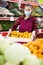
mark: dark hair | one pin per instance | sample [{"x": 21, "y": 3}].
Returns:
[{"x": 28, "y": 5}]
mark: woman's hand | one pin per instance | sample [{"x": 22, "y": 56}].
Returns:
[
  {"x": 33, "y": 35},
  {"x": 9, "y": 32}
]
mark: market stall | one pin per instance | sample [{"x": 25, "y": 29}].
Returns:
[{"x": 21, "y": 48}]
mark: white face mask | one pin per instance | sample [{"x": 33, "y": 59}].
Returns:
[{"x": 27, "y": 13}]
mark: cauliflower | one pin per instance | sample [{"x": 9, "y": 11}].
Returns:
[
  {"x": 2, "y": 60},
  {"x": 16, "y": 53},
  {"x": 7, "y": 63},
  {"x": 31, "y": 60},
  {"x": 41, "y": 62}
]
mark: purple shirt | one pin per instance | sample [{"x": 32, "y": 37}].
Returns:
[{"x": 25, "y": 25}]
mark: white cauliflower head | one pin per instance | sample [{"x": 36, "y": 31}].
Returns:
[
  {"x": 31, "y": 60},
  {"x": 16, "y": 53}
]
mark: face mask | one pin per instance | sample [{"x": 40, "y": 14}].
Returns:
[{"x": 27, "y": 13}]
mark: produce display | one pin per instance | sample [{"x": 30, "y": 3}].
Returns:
[
  {"x": 0, "y": 27},
  {"x": 12, "y": 52},
  {"x": 40, "y": 35},
  {"x": 4, "y": 11},
  {"x": 11, "y": 10},
  {"x": 14, "y": 10},
  {"x": 20, "y": 35},
  {"x": 2, "y": 60},
  {"x": 15, "y": 5},
  {"x": 36, "y": 47},
  {"x": 6, "y": 25},
  {"x": 40, "y": 1},
  {"x": 37, "y": 11},
  {"x": 37, "y": 14},
  {"x": 16, "y": 54}
]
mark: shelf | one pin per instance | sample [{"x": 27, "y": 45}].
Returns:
[
  {"x": 15, "y": 18},
  {"x": 41, "y": 19},
  {"x": 13, "y": 0},
  {"x": 39, "y": 31},
  {"x": 8, "y": 18},
  {"x": 26, "y": 2}
]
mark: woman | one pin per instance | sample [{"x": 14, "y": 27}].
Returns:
[{"x": 26, "y": 22}]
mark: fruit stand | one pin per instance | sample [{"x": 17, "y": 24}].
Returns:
[
  {"x": 31, "y": 51},
  {"x": 18, "y": 48}
]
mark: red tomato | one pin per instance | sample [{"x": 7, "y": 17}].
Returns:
[{"x": 4, "y": 33}]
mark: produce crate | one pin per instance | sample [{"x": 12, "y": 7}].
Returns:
[
  {"x": 39, "y": 33},
  {"x": 21, "y": 39},
  {"x": 6, "y": 25}
]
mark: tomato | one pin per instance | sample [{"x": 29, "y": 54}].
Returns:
[{"x": 4, "y": 33}]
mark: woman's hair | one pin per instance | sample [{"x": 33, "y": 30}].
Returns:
[{"x": 28, "y": 5}]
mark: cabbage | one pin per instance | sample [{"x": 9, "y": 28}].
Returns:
[
  {"x": 2, "y": 60},
  {"x": 31, "y": 60},
  {"x": 4, "y": 43},
  {"x": 7, "y": 63},
  {"x": 1, "y": 41},
  {"x": 16, "y": 53},
  {"x": 41, "y": 62}
]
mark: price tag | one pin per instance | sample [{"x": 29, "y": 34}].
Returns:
[{"x": 11, "y": 18}]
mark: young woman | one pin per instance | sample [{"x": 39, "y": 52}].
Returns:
[{"x": 26, "y": 22}]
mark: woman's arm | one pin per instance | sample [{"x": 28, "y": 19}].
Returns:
[{"x": 17, "y": 22}]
